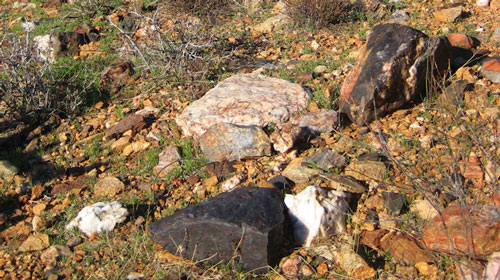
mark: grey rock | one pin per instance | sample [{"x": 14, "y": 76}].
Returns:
[
  {"x": 300, "y": 174},
  {"x": 400, "y": 16},
  {"x": 366, "y": 170},
  {"x": 393, "y": 202},
  {"x": 244, "y": 225},
  {"x": 228, "y": 142},
  {"x": 7, "y": 169},
  {"x": 496, "y": 35},
  {"x": 243, "y": 99},
  {"x": 325, "y": 159},
  {"x": 392, "y": 71}
]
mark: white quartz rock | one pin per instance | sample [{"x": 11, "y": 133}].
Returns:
[
  {"x": 492, "y": 271},
  {"x": 99, "y": 217},
  {"x": 317, "y": 210}
]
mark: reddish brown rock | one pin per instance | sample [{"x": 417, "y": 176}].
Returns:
[
  {"x": 476, "y": 232},
  {"x": 133, "y": 122},
  {"x": 404, "y": 249},
  {"x": 372, "y": 238},
  {"x": 391, "y": 71},
  {"x": 460, "y": 40}
]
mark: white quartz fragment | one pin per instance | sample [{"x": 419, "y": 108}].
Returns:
[
  {"x": 99, "y": 217},
  {"x": 317, "y": 210}
]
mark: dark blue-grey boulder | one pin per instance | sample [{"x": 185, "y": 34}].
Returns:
[{"x": 244, "y": 226}]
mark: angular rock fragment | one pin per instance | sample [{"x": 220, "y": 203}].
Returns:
[
  {"x": 352, "y": 263},
  {"x": 245, "y": 225},
  {"x": 228, "y": 142},
  {"x": 317, "y": 210},
  {"x": 133, "y": 122},
  {"x": 244, "y": 99},
  {"x": 366, "y": 170},
  {"x": 299, "y": 173},
  {"x": 117, "y": 73},
  {"x": 391, "y": 71},
  {"x": 35, "y": 242},
  {"x": 393, "y": 202},
  {"x": 325, "y": 159},
  {"x": 7, "y": 169},
  {"x": 108, "y": 186},
  {"x": 404, "y": 249},
  {"x": 167, "y": 161},
  {"x": 456, "y": 238},
  {"x": 449, "y": 14},
  {"x": 492, "y": 271}
]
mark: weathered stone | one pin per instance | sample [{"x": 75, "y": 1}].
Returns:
[
  {"x": 353, "y": 264},
  {"x": 109, "y": 186},
  {"x": 120, "y": 144},
  {"x": 272, "y": 23},
  {"x": 290, "y": 265},
  {"x": 495, "y": 4},
  {"x": 35, "y": 242},
  {"x": 245, "y": 225},
  {"x": 366, "y": 170},
  {"x": 403, "y": 249},
  {"x": 457, "y": 237},
  {"x": 426, "y": 269},
  {"x": 468, "y": 270},
  {"x": 53, "y": 252},
  {"x": 167, "y": 160},
  {"x": 393, "y": 202},
  {"x": 133, "y": 122},
  {"x": 47, "y": 46},
  {"x": 7, "y": 169},
  {"x": 244, "y": 99},
  {"x": 317, "y": 122},
  {"x": 449, "y": 14},
  {"x": 298, "y": 173},
  {"x": 117, "y": 73},
  {"x": 325, "y": 159},
  {"x": 228, "y": 142},
  {"x": 400, "y": 17},
  {"x": 453, "y": 95},
  {"x": 424, "y": 209},
  {"x": 345, "y": 183},
  {"x": 491, "y": 70},
  {"x": 391, "y": 71},
  {"x": 285, "y": 136},
  {"x": 372, "y": 238}
]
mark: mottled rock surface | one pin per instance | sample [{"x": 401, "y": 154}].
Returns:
[
  {"x": 167, "y": 161},
  {"x": 491, "y": 69},
  {"x": 482, "y": 221},
  {"x": 243, "y": 99},
  {"x": 109, "y": 186},
  {"x": 391, "y": 71},
  {"x": 227, "y": 142},
  {"x": 246, "y": 223}
]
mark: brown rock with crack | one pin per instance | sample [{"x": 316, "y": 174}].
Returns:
[
  {"x": 474, "y": 232},
  {"x": 404, "y": 249},
  {"x": 391, "y": 71},
  {"x": 460, "y": 40},
  {"x": 133, "y": 122}
]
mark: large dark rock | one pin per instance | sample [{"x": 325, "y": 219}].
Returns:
[
  {"x": 392, "y": 70},
  {"x": 245, "y": 225}
]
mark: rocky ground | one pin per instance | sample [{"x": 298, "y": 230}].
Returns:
[{"x": 224, "y": 119}]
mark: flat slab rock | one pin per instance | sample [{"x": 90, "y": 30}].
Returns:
[
  {"x": 391, "y": 71},
  {"x": 243, "y": 99},
  {"x": 245, "y": 225}
]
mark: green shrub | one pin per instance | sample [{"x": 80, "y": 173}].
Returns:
[{"x": 31, "y": 87}]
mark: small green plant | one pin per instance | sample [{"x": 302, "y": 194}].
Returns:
[{"x": 93, "y": 151}]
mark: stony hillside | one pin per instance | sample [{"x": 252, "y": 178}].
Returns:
[{"x": 250, "y": 139}]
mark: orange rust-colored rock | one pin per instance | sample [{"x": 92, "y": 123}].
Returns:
[{"x": 467, "y": 232}]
